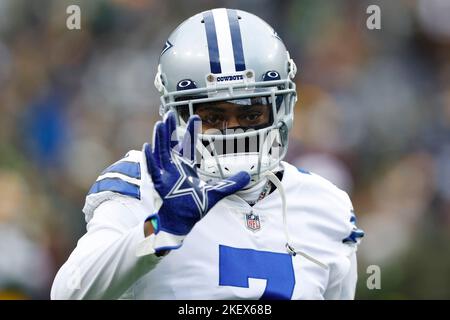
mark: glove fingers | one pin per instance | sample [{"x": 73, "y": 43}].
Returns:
[
  {"x": 171, "y": 129},
  {"x": 240, "y": 180},
  {"x": 152, "y": 166},
  {"x": 163, "y": 146},
  {"x": 156, "y": 150},
  {"x": 190, "y": 137}
]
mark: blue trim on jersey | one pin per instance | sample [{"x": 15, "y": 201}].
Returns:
[
  {"x": 213, "y": 47},
  {"x": 236, "y": 40},
  {"x": 303, "y": 171},
  {"x": 128, "y": 168},
  {"x": 354, "y": 236},
  {"x": 167, "y": 248},
  {"x": 356, "y": 233},
  {"x": 116, "y": 185}
]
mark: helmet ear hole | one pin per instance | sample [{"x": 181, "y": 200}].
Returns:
[
  {"x": 271, "y": 75},
  {"x": 186, "y": 84}
]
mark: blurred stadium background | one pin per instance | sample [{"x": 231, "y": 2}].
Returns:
[{"x": 373, "y": 116}]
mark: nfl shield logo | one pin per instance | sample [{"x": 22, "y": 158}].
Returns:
[{"x": 253, "y": 221}]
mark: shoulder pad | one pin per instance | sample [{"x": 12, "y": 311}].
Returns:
[
  {"x": 336, "y": 205},
  {"x": 121, "y": 179}
]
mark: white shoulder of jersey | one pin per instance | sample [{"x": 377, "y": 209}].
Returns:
[
  {"x": 126, "y": 178},
  {"x": 331, "y": 205}
]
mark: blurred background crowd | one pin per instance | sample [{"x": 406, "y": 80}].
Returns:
[{"x": 373, "y": 116}]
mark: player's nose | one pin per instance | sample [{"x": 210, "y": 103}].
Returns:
[{"x": 232, "y": 122}]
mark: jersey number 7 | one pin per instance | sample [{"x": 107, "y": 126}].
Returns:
[{"x": 237, "y": 265}]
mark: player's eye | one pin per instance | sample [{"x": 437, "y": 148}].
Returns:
[
  {"x": 212, "y": 120},
  {"x": 254, "y": 116}
]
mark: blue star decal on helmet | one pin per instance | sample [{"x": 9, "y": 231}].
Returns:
[
  {"x": 189, "y": 184},
  {"x": 167, "y": 46}
]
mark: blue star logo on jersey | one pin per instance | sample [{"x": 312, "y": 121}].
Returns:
[{"x": 190, "y": 184}]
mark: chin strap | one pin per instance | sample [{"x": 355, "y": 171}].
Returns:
[{"x": 289, "y": 248}]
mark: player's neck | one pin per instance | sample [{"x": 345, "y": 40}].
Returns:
[{"x": 255, "y": 192}]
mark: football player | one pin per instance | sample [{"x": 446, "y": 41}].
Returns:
[{"x": 210, "y": 210}]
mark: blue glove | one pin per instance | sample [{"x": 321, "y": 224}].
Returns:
[{"x": 185, "y": 197}]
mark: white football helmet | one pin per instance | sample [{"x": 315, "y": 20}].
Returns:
[{"x": 233, "y": 56}]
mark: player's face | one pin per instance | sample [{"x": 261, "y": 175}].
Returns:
[{"x": 225, "y": 115}]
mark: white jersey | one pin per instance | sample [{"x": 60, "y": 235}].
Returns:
[{"x": 236, "y": 251}]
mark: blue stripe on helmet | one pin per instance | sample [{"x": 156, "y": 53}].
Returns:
[
  {"x": 130, "y": 169},
  {"x": 116, "y": 185},
  {"x": 236, "y": 39},
  {"x": 211, "y": 38}
]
